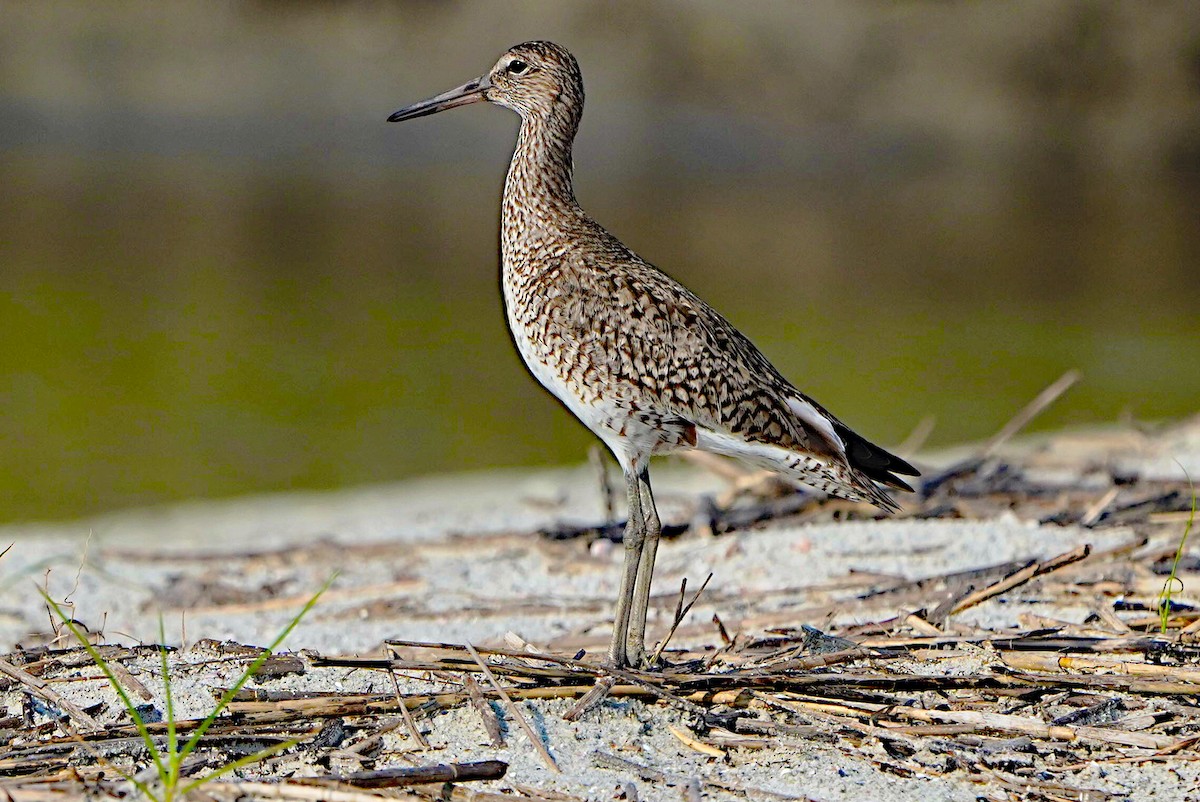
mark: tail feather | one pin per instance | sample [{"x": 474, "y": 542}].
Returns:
[
  {"x": 873, "y": 461},
  {"x": 822, "y": 473}
]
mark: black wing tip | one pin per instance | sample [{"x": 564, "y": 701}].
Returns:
[
  {"x": 874, "y": 462},
  {"x": 897, "y": 465}
]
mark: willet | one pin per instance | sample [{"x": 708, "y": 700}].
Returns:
[{"x": 639, "y": 359}]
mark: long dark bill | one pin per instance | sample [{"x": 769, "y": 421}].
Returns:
[{"x": 470, "y": 92}]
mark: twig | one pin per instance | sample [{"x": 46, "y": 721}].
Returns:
[
  {"x": 1093, "y": 513},
  {"x": 666, "y": 696},
  {"x": 382, "y": 590},
  {"x": 809, "y": 662},
  {"x": 369, "y": 704},
  {"x": 1112, "y": 622},
  {"x": 450, "y": 647},
  {"x": 917, "y": 437},
  {"x": 520, "y": 644},
  {"x": 79, "y": 571},
  {"x": 1030, "y": 411},
  {"x": 1032, "y": 727},
  {"x": 1022, "y": 576},
  {"x": 490, "y": 723},
  {"x": 375, "y": 737},
  {"x": 681, "y": 611},
  {"x": 758, "y": 727},
  {"x": 605, "y": 760},
  {"x": 595, "y": 696},
  {"x": 547, "y": 758},
  {"x": 985, "y": 721},
  {"x": 1027, "y": 786},
  {"x": 304, "y": 793},
  {"x": 409, "y": 724},
  {"x": 423, "y": 775},
  {"x": 694, "y": 743},
  {"x": 922, "y": 626},
  {"x": 1050, "y": 661},
  {"x": 596, "y": 457},
  {"x": 130, "y": 682},
  {"x": 40, "y": 688}
]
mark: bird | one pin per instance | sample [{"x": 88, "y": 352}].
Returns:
[{"x": 639, "y": 359}]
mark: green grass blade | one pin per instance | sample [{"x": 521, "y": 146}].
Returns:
[
  {"x": 251, "y": 670},
  {"x": 126, "y": 702},
  {"x": 1173, "y": 581},
  {"x": 258, "y": 756},
  {"x": 175, "y": 764}
]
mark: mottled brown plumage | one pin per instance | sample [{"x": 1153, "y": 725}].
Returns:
[{"x": 643, "y": 362}]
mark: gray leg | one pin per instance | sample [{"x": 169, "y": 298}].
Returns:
[
  {"x": 635, "y": 640},
  {"x": 635, "y": 535}
]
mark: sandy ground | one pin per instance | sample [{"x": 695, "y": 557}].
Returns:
[{"x": 454, "y": 559}]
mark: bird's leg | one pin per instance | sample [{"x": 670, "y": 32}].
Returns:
[
  {"x": 635, "y": 536},
  {"x": 635, "y": 641}
]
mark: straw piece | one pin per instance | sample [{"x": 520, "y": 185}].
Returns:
[{"x": 542, "y": 751}]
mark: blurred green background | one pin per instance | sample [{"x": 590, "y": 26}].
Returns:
[{"x": 222, "y": 272}]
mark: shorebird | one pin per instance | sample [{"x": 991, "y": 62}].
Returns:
[{"x": 638, "y": 358}]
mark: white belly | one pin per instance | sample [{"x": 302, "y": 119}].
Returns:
[{"x": 599, "y": 408}]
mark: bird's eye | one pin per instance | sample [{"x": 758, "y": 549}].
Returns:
[{"x": 516, "y": 66}]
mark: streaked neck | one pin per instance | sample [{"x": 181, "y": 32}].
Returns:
[{"x": 538, "y": 190}]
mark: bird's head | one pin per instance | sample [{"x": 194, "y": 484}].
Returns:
[{"x": 533, "y": 79}]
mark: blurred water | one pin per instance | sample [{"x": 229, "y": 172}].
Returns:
[{"x": 221, "y": 272}]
